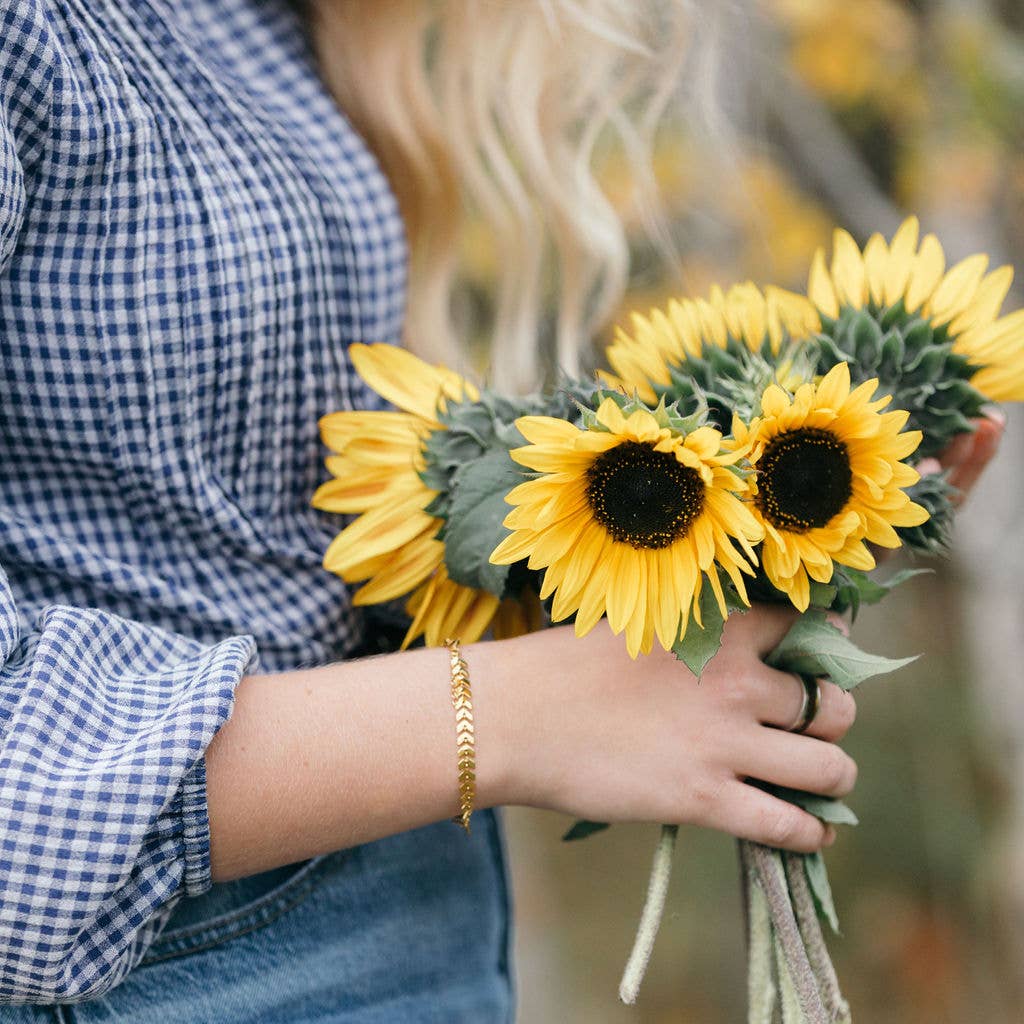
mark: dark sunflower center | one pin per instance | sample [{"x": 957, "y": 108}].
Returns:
[
  {"x": 803, "y": 479},
  {"x": 642, "y": 497}
]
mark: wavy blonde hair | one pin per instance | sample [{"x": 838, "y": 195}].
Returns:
[{"x": 496, "y": 109}]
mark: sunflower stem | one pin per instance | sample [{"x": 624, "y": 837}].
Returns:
[
  {"x": 836, "y": 1006},
  {"x": 650, "y": 918},
  {"x": 771, "y": 875},
  {"x": 761, "y": 991},
  {"x": 789, "y": 997}
]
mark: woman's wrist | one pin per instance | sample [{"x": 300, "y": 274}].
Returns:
[
  {"x": 518, "y": 734},
  {"x": 498, "y": 721},
  {"x": 317, "y": 760}
]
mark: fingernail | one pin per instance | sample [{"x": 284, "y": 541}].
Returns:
[
  {"x": 830, "y": 835},
  {"x": 928, "y": 466},
  {"x": 995, "y": 414}
]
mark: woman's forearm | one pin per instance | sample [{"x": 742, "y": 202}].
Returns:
[{"x": 320, "y": 759}]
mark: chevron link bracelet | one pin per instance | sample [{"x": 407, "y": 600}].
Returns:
[{"x": 462, "y": 698}]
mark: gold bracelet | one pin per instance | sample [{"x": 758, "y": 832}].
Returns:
[{"x": 462, "y": 698}]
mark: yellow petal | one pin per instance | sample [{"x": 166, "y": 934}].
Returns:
[
  {"x": 406, "y": 381},
  {"x": 834, "y": 387},
  {"x": 478, "y": 617},
  {"x": 819, "y": 286},
  {"x": 409, "y": 568},
  {"x": 774, "y": 401},
  {"x": 338, "y": 429},
  {"x": 958, "y": 288},
  {"x": 514, "y": 548},
  {"x": 876, "y": 265},
  {"x": 925, "y": 273},
  {"x": 546, "y": 430},
  {"x": 987, "y": 301},
  {"x": 623, "y": 586},
  {"x": 848, "y": 269},
  {"x": 375, "y": 533},
  {"x": 901, "y": 260},
  {"x": 800, "y": 590}
]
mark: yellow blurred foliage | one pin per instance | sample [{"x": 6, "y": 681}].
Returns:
[
  {"x": 853, "y": 52},
  {"x": 968, "y": 176},
  {"x": 780, "y": 225}
]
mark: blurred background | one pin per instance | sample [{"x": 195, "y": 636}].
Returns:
[{"x": 849, "y": 113}]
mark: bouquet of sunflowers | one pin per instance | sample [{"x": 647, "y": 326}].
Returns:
[{"x": 751, "y": 445}]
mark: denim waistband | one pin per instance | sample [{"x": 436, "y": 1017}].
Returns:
[{"x": 413, "y": 928}]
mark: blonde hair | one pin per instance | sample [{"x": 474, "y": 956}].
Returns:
[{"x": 495, "y": 108}]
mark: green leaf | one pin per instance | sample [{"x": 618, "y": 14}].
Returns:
[
  {"x": 582, "y": 829},
  {"x": 474, "y": 528},
  {"x": 817, "y": 879},
  {"x": 822, "y": 594},
  {"x": 696, "y": 647},
  {"x": 815, "y": 647},
  {"x": 446, "y": 450},
  {"x": 822, "y": 807},
  {"x": 902, "y": 576},
  {"x": 871, "y": 591},
  {"x": 508, "y": 436}
]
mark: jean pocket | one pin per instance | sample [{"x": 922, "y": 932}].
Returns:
[{"x": 232, "y": 909}]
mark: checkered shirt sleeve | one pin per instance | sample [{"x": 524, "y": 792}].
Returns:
[
  {"x": 189, "y": 232},
  {"x": 103, "y": 726}
]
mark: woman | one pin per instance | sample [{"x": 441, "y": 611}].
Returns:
[{"x": 190, "y": 235}]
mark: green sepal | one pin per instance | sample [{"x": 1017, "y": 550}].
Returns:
[
  {"x": 588, "y": 414},
  {"x": 928, "y": 364},
  {"x": 891, "y": 354},
  {"x": 830, "y": 353},
  {"x": 582, "y": 829},
  {"x": 814, "y": 647},
  {"x": 666, "y": 415},
  {"x": 672, "y": 417},
  {"x": 934, "y": 536},
  {"x": 821, "y": 891},
  {"x": 913, "y": 361},
  {"x": 474, "y": 528},
  {"x": 731, "y": 380},
  {"x": 867, "y": 337}
]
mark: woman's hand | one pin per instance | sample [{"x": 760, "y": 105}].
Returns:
[
  {"x": 592, "y": 733},
  {"x": 968, "y": 454}
]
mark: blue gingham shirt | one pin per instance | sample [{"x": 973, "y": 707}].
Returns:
[{"x": 190, "y": 235}]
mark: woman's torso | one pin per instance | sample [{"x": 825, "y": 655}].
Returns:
[{"x": 203, "y": 237}]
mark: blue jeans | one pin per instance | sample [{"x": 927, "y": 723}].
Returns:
[{"x": 413, "y": 929}]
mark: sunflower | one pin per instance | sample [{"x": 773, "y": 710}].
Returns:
[
  {"x": 827, "y": 479},
  {"x": 627, "y": 518},
  {"x": 911, "y": 279},
  {"x": 669, "y": 339},
  {"x": 376, "y": 467}
]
